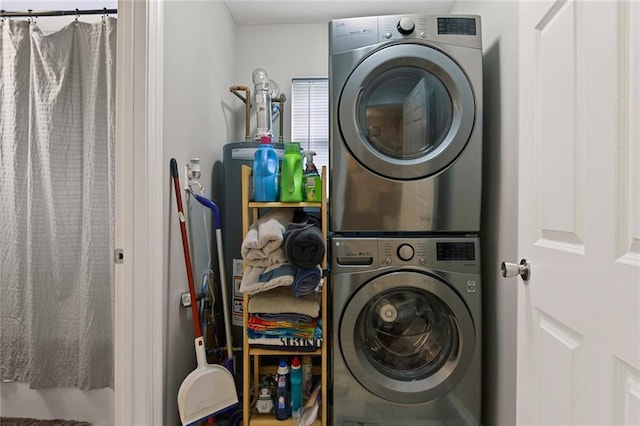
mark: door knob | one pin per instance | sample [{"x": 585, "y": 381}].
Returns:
[{"x": 512, "y": 270}]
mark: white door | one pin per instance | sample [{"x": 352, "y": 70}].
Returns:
[{"x": 579, "y": 213}]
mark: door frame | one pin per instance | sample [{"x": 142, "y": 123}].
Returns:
[{"x": 139, "y": 281}]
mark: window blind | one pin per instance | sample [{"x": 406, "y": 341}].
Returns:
[{"x": 310, "y": 117}]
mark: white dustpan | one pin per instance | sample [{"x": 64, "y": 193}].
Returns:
[{"x": 206, "y": 391}]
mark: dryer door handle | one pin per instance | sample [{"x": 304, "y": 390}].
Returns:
[{"x": 511, "y": 269}]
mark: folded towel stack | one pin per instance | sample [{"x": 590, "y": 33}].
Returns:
[
  {"x": 283, "y": 248},
  {"x": 278, "y": 317},
  {"x": 282, "y": 251},
  {"x": 262, "y": 251}
]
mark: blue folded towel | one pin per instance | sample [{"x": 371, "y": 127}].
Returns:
[{"x": 306, "y": 281}]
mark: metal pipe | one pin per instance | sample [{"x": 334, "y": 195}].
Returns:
[
  {"x": 281, "y": 101},
  {"x": 40, "y": 13},
  {"x": 247, "y": 101}
]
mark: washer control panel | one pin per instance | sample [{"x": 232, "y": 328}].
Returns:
[
  {"x": 403, "y": 252},
  {"x": 369, "y": 252}
]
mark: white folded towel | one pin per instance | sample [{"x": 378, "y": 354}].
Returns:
[
  {"x": 259, "y": 258},
  {"x": 265, "y": 236}
]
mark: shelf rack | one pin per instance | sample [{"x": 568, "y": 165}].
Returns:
[{"x": 251, "y": 356}]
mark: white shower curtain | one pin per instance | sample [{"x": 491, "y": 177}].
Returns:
[{"x": 57, "y": 129}]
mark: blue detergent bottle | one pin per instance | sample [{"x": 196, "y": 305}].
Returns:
[
  {"x": 283, "y": 406},
  {"x": 265, "y": 171},
  {"x": 296, "y": 387}
]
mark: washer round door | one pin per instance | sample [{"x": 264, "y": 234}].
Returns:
[
  {"x": 406, "y": 111},
  {"x": 407, "y": 337}
]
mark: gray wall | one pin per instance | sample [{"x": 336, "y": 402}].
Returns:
[
  {"x": 499, "y": 216},
  {"x": 284, "y": 51},
  {"x": 199, "y": 52}
]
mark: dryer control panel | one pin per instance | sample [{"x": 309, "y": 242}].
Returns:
[
  {"x": 438, "y": 253},
  {"x": 352, "y": 33}
]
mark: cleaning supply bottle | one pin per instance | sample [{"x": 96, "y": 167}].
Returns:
[
  {"x": 307, "y": 376},
  {"x": 291, "y": 174},
  {"x": 282, "y": 391},
  {"x": 296, "y": 387},
  {"x": 311, "y": 179},
  {"x": 265, "y": 171}
]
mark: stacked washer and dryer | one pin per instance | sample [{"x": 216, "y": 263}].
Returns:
[{"x": 405, "y": 197}]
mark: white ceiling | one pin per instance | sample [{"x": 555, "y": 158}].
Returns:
[{"x": 269, "y": 12}]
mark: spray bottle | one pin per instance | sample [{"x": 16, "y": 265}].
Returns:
[{"x": 311, "y": 179}]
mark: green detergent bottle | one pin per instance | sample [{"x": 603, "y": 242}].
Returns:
[{"x": 291, "y": 190}]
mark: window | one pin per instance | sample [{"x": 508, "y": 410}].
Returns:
[{"x": 310, "y": 117}]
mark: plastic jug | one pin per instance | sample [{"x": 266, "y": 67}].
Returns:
[
  {"x": 265, "y": 172},
  {"x": 296, "y": 386},
  {"x": 291, "y": 174},
  {"x": 282, "y": 391}
]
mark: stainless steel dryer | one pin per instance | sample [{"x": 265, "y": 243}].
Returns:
[
  {"x": 406, "y": 323},
  {"x": 405, "y": 94}
]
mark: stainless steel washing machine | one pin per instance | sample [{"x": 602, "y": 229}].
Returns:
[
  {"x": 405, "y": 94},
  {"x": 406, "y": 331}
]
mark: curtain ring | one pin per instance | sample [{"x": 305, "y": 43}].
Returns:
[
  {"x": 77, "y": 16},
  {"x": 104, "y": 15}
]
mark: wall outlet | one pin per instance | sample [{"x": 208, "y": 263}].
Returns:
[{"x": 186, "y": 300}]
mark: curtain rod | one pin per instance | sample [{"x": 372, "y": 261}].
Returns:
[{"x": 40, "y": 13}]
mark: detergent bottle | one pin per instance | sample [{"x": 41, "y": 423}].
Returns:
[
  {"x": 291, "y": 174},
  {"x": 311, "y": 179},
  {"x": 296, "y": 386},
  {"x": 282, "y": 391},
  {"x": 265, "y": 171}
]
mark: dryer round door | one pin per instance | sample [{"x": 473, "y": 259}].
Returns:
[
  {"x": 406, "y": 111},
  {"x": 407, "y": 337}
]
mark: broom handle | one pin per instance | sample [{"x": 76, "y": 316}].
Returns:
[{"x": 185, "y": 249}]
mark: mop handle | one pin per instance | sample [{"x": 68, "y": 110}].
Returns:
[
  {"x": 225, "y": 298},
  {"x": 185, "y": 249},
  {"x": 223, "y": 279}
]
